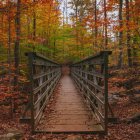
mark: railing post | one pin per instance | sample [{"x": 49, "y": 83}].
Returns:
[
  {"x": 105, "y": 57},
  {"x": 30, "y": 66}
]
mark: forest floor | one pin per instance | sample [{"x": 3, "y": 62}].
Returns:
[{"x": 124, "y": 102}]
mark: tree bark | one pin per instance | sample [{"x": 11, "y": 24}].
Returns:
[
  {"x": 34, "y": 24},
  {"x": 128, "y": 34},
  {"x": 17, "y": 42},
  {"x": 120, "y": 34},
  {"x": 9, "y": 39},
  {"x": 105, "y": 20},
  {"x": 96, "y": 28}
]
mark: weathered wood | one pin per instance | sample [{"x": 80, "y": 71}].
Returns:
[
  {"x": 91, "y": 77},
  {"x": 70, "y": 114},
  {"x": 44, "y": 75}
]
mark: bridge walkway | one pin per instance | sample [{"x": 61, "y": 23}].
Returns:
[{"x": 69, "y": 112}]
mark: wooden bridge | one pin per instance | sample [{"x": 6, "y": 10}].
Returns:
[{"x": 81, "y": 105}]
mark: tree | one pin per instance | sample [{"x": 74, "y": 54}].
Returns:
[
  {"x": 120, "y": 33},
  {"x": 17, "y": 41},
  {"x": 105, "y": 25},
  {"x": 128, "y": 34}
]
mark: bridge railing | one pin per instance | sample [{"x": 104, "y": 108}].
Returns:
[
  {"x": 91, "y": 77},
  {"x": 44, "y": 74}
]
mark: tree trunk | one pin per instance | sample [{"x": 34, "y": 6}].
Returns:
[
  {"x": 96, "y": 28},
  {"x": 34, "y": 25},
  {"x": 120, "y": 34},
  {"x": 17, "y": 42},
  {"x": 2, "y": 26},
  {"x": 28, "y": 27},
  {"x": 128, "y": 35},
  {"x": 77, "y": 34},
  {"x": 105, "y": 20},
  {"x": 54, "y": 45},
  {"x": 9, "y": 39}
]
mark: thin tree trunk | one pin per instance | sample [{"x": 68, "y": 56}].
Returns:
[
  {"x": 34, "y": 24},
  {"x": 135, "y": 33},
  {"x": 63, "y": 32},
  {"x": 120, "y": 34},
  {"x": 17, "y": 42},
  {"x": 128, "y": 34},
  {"x": 2, "y": 25},
  {"x": 9, "y": 38},
  {"x": 66, "y": 11},
  {"x": 77, "y": 35},
  {"x": 96, "y": 28},
  {"x": 54, "y": 45},
  {"x": 105, "y": 20},
  {"x": 9, "y": 55},
  {"x": 28, "y": 27}
]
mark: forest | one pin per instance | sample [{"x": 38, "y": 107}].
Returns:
[{"x": 67, "y": 31}]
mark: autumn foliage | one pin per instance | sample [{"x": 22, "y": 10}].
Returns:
[{"x": 68, "y": 31}]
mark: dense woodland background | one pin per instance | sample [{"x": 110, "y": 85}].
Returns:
[{"x": 66, "y": 31}]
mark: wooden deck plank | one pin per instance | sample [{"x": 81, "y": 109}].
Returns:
[{"x": 69, "y": 113}]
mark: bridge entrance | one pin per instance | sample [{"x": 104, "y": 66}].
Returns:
[
  {"x": 69, "y": 112},
  {"x": 81, "y": 104}
]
